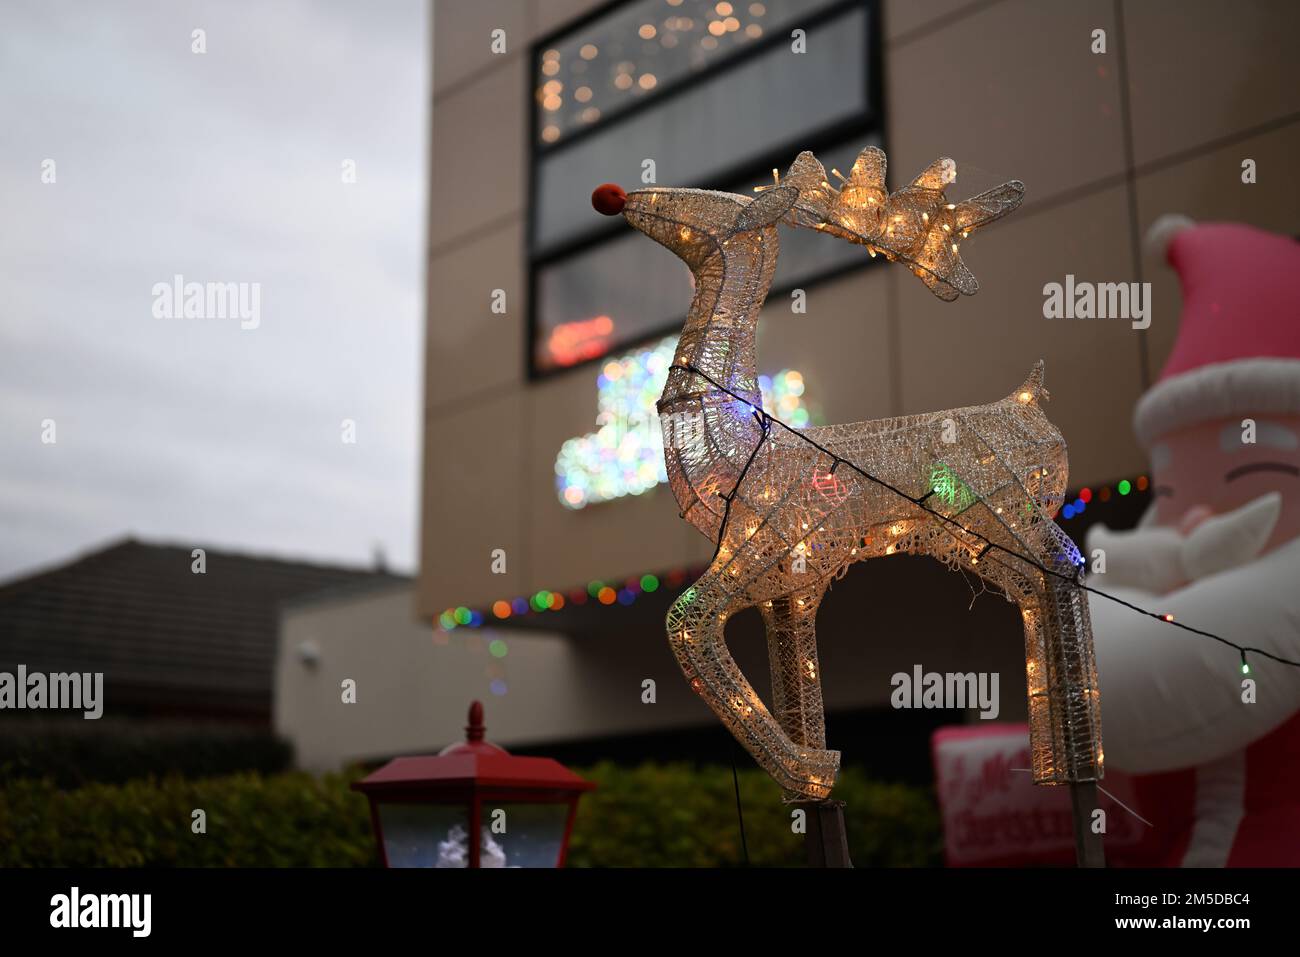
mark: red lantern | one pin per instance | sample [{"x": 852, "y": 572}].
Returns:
[{"x": 426, "y": 810}]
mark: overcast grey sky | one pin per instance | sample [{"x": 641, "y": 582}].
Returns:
[{"x": 225, "y": 166}]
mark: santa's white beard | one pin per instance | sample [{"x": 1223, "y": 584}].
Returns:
[
  {"x": 1170, "y": 698},
  {"x": 1144, "y": 558},
  {"x": 1159, "y": 559}
]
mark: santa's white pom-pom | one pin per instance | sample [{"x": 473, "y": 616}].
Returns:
[{"x": 1162, "y": 232}]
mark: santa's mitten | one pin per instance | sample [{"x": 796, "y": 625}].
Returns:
[{"x": 1226, "y": 541}]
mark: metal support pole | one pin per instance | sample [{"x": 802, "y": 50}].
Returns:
[
  {"x": 1089, "y": 849},
  {"x": 826, "y": 840}
]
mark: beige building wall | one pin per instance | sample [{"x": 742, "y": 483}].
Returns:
[
  {"x": 1010, "y": 89},
  {"x": 412, "y": 696}
]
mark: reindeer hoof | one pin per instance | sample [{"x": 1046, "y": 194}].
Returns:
[{"x": 817, "y": 777}]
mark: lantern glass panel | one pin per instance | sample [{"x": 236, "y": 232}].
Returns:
[
  {"x": 425, "y": 835},
  {"x": 532, "y": 835}
]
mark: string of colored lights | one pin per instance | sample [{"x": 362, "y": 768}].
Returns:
[
  {"x": 606, "y": 594},
  {"x": 1085, "y": 496},
  {"x": 603, "y": 591}
]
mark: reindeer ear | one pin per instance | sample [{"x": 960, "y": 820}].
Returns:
[
  {"x": 769, "y": 206},
  {"x": 938, "y": 175},
  {"x": 808, "y": 176},
  {"x": 869, "y": 169}
]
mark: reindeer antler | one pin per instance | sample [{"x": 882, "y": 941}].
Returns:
[{"x": 915, "y": 224}]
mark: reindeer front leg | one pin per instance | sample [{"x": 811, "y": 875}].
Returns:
[
  {"x": 1061, "y": 673},
  {"x": 695, "y": 632}
]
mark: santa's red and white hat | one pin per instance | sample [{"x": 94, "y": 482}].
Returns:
[{"x": 1238, "y": 344}]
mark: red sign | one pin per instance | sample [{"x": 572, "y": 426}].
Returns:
[{"x": 994, "y": 815}]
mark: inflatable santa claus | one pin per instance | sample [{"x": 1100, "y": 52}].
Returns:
[{"x": 1213, "y": 736}]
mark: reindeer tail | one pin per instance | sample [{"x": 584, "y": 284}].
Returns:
[
  {"x": 1033, "y": 389},
  {"x": 1043, "y": 453}
]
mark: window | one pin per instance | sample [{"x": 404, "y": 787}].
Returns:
[{"x": 712, "y": 93}]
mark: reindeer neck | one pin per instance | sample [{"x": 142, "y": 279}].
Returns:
[{"x": 718, "y": 338}]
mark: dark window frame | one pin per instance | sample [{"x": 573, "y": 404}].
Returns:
[{"x": 871, "y": 122}]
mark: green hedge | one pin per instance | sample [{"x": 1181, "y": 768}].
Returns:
[
  {"x": 286, "y": 820},
  {"x": 676, "y": 815},
  {"x": 648, "y": 816},
  {"x": 77, "y": 753}
]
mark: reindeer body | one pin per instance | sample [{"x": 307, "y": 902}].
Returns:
[{"x": 974, "y": 487}]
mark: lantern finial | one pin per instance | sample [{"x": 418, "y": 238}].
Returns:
[{"x": 474, "y": 730}]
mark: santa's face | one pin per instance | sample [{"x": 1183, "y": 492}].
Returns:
[{"x": 1214, "y": 468}]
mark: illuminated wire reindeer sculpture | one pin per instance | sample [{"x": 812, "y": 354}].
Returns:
[{"x": 790, "y": 510}]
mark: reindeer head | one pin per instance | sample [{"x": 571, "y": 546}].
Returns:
[
  {"x": 915, "y": 225},
  {"x": 694, "y": 223}
]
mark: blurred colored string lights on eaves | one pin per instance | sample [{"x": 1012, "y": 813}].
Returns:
[
  {"x": 1104, "y": 494},
  {"x": 625, "y": 455},
  {"x": 602, "y": 592}
]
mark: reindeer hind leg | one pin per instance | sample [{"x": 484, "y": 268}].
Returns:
[{"x": 791, "y": 624}]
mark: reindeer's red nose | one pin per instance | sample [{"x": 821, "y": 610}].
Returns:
[{"x": 609, "y": 199}]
